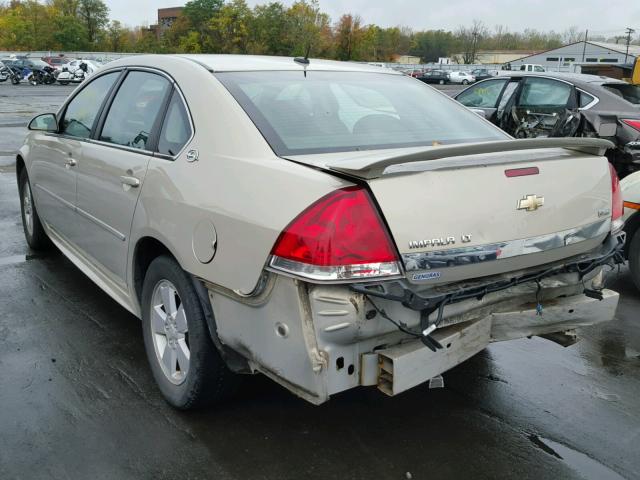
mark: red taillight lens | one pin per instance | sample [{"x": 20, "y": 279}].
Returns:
[
  {"x": 339, "y": 237},
  {"x": 632, "y": 123},
  {"x": 617, "y": 206}
]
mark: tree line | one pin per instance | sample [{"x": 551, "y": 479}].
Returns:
[{"x": 219, "y": 26}]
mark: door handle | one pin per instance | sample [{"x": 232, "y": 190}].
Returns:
[
  {"x": 70, "y": 162},
  {"x": 130, "y": 181}
]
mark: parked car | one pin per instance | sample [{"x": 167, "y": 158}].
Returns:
[
  {"x": 57, "y": 62},
  {"x": 464, "y": 78},
  {"x": 481, "y": 74},
  {"x": 413, "y": 72},
  {"x": 434, "y": 76},
  {"x": 631, "y": 195},
  {"x": 564, "y": 105},
  {"x": 531, "y": 67},
  {"x": 4, "y": 72},
  {"x": 208, "y": 197}
]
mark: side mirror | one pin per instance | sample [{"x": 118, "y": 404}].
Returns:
[{"x": 46, "y": 122}]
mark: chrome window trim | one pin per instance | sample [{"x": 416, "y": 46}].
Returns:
[
  {"x": 191, "y": 126},
  {"x": 173, "y": 83},
  {"x": 456, "y": 257},
  {"x": 593, "y": 103}
]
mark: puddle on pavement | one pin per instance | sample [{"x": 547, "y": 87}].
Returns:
[
  {"x": 16, "y": 259},
  {"x": 585, "y": 466}
]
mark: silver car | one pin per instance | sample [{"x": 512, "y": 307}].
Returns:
[{"x": 329, "y": 225}]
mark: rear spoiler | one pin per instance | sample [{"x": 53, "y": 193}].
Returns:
[{"x": 364, "y": 168}]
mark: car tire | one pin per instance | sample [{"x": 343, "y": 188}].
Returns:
[
  {"x": 634, "y": 259},
  {"x": 184, "y": 361},
  {"x": 34, "y": 233},
  {"x": 441, "y": 82},
  {"x": 64, "y": 83},
  {"x": 465, "y": 82}
]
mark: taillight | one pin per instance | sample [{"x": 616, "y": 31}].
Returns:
[
  {"x": 339, "y": 237},
  {"x": 632, "y": 123},
  {"x": 617, "y": 205}
]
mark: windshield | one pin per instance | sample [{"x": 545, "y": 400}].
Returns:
[
  {"x": 345, "y": 111},
  {"x": 631, "y": 93}
]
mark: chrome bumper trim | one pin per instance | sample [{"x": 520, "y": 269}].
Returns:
[{"x": 456, "y": 257}]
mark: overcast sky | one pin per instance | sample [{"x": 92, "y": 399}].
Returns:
[{"x": 607, "y": 18}]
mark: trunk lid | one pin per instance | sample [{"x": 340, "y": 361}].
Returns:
[{"x": 462, "y": 217}]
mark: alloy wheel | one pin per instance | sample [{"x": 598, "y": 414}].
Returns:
[
  {"x": 27, "y": 207},
  {"x": 170, "y": 330}
]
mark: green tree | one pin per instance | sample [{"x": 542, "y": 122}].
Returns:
[
  {"x": 269, "y": 30},
  {"x": 69, "y": 33},
  {"x": 95, "y": 16},
  {"x": 229, "y": 28},
  {"x": 200, "y": 12}
]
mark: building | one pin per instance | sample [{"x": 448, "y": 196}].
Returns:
[
  {"x": 570, "y": 58},
  {"x": 406, "y": 59},
  {"x": 498, "y": 57},
  {"x": 166, "y": 17}
]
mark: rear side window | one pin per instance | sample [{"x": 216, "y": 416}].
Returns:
[
  {"x": 135, "y": 109},
  {"x": 585, "y": 99},
  {"x": 482, "y": 95},
  {"x": 543, "y": 92},
  {"x": 82, "y": 111},
  {"x": 176, "y": 129}
]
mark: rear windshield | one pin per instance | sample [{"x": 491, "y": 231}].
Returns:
[
  {"x": 631, "y": 93},
  {"x": 346, "y": 111}
]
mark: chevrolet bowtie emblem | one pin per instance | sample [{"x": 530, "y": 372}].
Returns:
[{"x": 530, "y": 203}]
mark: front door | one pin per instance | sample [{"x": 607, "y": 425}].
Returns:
[
  {"x": 56, "y": 157},
  {"x": 113, "y": 169},
  {"x": 483, "y": 97}
]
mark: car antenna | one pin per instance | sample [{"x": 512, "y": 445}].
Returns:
[{"x": 304, "y": 61}]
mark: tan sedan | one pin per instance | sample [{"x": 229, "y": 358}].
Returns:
[{"x": 329, "y": 225}]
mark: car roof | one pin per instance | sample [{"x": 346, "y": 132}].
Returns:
[
  {"x": 579, "y": 79},
  {"x": 254, "y": 63}
]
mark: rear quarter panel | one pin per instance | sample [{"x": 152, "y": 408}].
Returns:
[{"x": 238, "y": 184}]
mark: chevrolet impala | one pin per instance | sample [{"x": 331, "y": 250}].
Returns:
[{"x": 329, "y": 225}]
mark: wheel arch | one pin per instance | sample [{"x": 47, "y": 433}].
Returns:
[
  {"x": 20, "y": 166},
  {"x": 147, "y": 249},
  {"x": 631, "y": 227}
]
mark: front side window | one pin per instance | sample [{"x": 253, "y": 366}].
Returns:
[
  {"x": 482, "y": 95},
  {"x": 349, "y": 111},
  {"x": 82, "y": 111},
  {"x": 176, "y": 129},
  {"x": 135, "y": 109},
  {"x": 543, "y": 92}
]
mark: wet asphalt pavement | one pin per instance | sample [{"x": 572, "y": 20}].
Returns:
[{"x": 78, "y": 401}]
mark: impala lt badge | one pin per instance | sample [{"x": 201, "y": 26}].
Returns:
[
  {"x": 438, "y": 242},
  {"x": 530, "y": 203}
]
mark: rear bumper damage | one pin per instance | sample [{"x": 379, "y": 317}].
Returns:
[{"x": 318, "y": 340}]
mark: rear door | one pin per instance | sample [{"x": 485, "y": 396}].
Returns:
[
  {"x": 114, "y": 166},
  {"x": 545, "y": 107}
]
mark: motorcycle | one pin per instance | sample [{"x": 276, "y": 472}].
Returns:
[
  {"x": 77, "y": 76},
  {"x": 44, "y": 75},
  {"x": 15, "y": 75}
]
